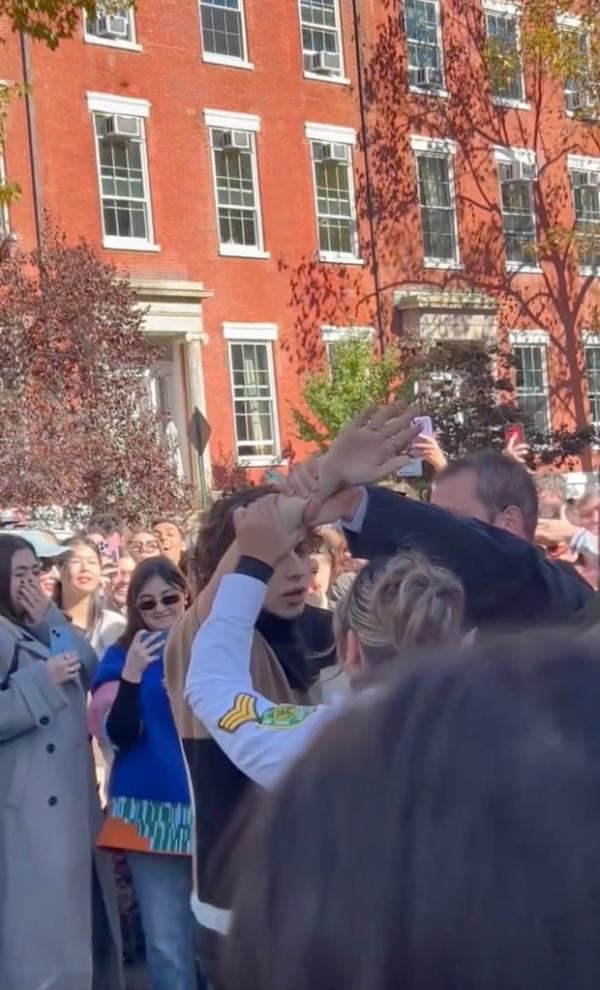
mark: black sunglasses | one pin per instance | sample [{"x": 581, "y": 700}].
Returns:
[{"x": 148, "y": 604}]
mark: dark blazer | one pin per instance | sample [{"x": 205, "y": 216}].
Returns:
[{"x": 507, "y": 581}]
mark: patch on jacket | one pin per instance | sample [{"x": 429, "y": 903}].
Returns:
[{"x": 277, "y": 717}]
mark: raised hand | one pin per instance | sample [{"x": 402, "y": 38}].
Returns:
[
  {"x": 265, "y": 528},
  {"x": 518, "y": 451},
  {"x": 144, "y": 650},
  {"x": 371, "y": 448},
  {"x": 33, "y": 602},
  {"x": 429, "y": 450}
]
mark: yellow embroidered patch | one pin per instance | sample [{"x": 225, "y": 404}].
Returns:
[{"x": 243, "y": 711}]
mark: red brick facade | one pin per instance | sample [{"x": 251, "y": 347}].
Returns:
[{"x": 201, "y": 300}]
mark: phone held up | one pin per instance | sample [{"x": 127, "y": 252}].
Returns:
[
  {"x": 515, "y": 434},
  {"x": 61, "y": 641},
  {"x": 414, "y": 468}
]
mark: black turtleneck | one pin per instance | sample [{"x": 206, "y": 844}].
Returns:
[{"x": 303, "y": 646}]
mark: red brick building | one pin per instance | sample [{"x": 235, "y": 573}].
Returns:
[{"x": 269, "y": 182}]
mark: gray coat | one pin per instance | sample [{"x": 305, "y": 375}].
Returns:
[{"x": 49, "y": 820}]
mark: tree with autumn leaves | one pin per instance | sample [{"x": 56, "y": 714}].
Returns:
[{"x": 76, "y": 424}]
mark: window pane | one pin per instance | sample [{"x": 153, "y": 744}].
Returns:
[
  {"x": 586, "y": 202},
  {"x": 421, "y": 18},
  {"x": 237, "y": 206},
  {"x": 335, "y": 207},
  {"x": 503, "y": 39},
  {"x": 125, "y": 208},
  {"x": 518, "y": 220},
  {"x": 320, "y": 30},
  {"x": 221, "y": 22},
  {"x": 437, "y": 211},
  {"x": 531, "y": 386},
  {"x": 253, "y": 400},
  {"x": 592, "y": 361}
]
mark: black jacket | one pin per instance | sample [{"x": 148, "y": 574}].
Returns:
[{"x": 507, "y": 581}]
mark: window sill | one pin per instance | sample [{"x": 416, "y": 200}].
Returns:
[
  {"x": 323, "y": 77},
  {"x": 500, "y": 101},
  {"x": 239, "y": 251},
  {"x": 582, "y": 117},
  {"x": 433, "y": 91},
  {"x": 232, "y": 63},
  {"x": 517, "y": 269},
  {"x": 128, "y": 46},
  {"x": 448, "y": 266},
  {"x": 128, "y": 244},
  {"x": 253, "y": 462},
  {"x": 331, "y": 258},
  {"x": 587, "y": 271}
]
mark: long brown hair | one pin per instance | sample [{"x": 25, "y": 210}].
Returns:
[
  {"x": 9, "y": 546},
  {"x": 217, "y": 533}
]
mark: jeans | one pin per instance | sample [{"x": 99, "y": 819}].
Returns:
[{"x": 162, "y": 886}]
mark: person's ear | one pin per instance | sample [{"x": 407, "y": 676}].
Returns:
[
  {"x": 351, "y": 658},
  {"x": 511, "y": 519}
]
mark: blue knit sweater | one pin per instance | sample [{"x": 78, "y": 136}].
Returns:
[{"x": 152, "y": 767}]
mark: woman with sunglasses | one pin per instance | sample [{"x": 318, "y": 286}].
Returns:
[{"x": 149, "y": 806}]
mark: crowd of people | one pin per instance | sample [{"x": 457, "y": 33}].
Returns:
[{"x": 332, "y": 742}]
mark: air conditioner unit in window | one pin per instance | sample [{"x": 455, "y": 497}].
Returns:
[
  {"x": 118, "y": 126},
  {"x": 112, "y": 26},
  {"x": 426, "y": 76},
  {"x": 235, "y": 140},
  {"x": 327, "y": 63},
  {"x": 518, "y": 171},
  {"x": 581, "y": 100},
  {"x": 331, "y": 153}
]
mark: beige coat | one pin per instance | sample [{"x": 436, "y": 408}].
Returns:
[{"x": 49, "y": 819}]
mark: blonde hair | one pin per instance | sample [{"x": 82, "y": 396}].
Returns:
[{"x": 407, "y": 603}]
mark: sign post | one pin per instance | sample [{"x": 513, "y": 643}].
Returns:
[{"x": 199, "y": 431}]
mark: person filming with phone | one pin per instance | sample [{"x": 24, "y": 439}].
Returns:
[
  {"x": 149, "y": 804},
  {"x": 50, "y": 873}
]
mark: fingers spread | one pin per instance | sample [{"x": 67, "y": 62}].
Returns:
[
  {"x": 401, "y": 422},
  {"x": 386, "y": 413}
]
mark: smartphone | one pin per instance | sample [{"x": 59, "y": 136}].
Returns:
[
  {"x": 414, "y": 468},
  {"x": 159, "y": 642},
  {"x": 61, "y": 641},
  {"x": 515, "y": 434},
  {"x": 113, "y": 543}
]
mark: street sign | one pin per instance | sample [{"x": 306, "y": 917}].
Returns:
[{"x": 199, "y": 431}]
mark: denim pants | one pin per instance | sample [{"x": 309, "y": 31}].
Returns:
[{"x": 162, "y": 886}]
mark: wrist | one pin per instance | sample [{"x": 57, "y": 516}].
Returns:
[
  {"x": 131, "y": 673},
  {"x": 254, "y": 567},
  {"x": 349, "y": 503}
]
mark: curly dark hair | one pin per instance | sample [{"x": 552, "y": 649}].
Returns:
[{"x": 217, "y": 532}]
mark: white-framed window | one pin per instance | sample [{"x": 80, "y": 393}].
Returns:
[
  {"x": 531, "y": 378},
  {"x": 4, "y": 216},
  {"x": 437, "y": 201},
  {"x": 517, "y": 172},
  {"x": 253, "y": 390},
  {"x": 235, "y": 174},
  {"x": 592, "y": 366},
  {"x": 322, "y": 50},
  {"x": 122, "y": 164},
  {"x": 115, "y": 28},
  {"x": 422, "y": 24},
  {"x": 333, "y": 336},
  {"x": 585, "y": 186},
  {"x": 224, "y": 32},
  {"x": 503, "y": 31},
  {"x": 332, "y": 165},
  {"x": 577, "y": 49}
]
